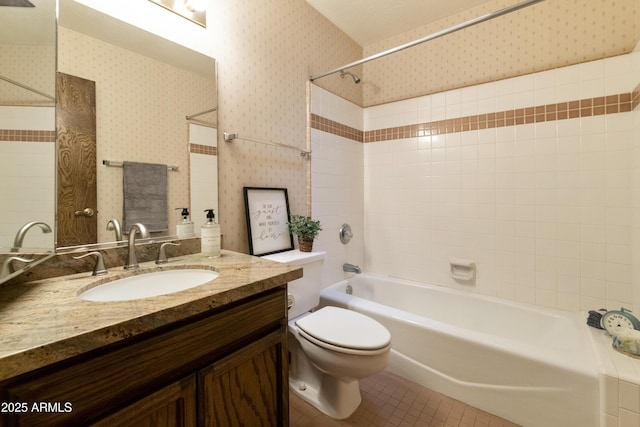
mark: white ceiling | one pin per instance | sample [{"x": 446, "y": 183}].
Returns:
[
  {"x": 370, "y": 21},
  {"x": 365, "y": 21}
]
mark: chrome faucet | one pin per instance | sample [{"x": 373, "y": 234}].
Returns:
[
  {"x": 132, "y": 262},
  {"x": 144, "y": 233},
  {"x": 350, "y": 268},
  {"x": 17, "y": 243},
  {"x": 114, "y": 225}
]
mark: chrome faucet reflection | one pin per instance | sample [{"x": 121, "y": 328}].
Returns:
[
  {"x": 350, "y": 268},
  {"x": 7, "y": 266},
  {"x": 17, "y": 242},
  {"x": 132, "y": 262},
  {"x": 114, "y": 225}
]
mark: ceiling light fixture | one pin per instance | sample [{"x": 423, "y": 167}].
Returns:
[
  {"x": 16, "y": 3},
  {"x": 196, "y": 5},
  {"x": 193, "y": 10}
]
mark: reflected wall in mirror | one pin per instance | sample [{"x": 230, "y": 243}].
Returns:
[
  {"x": 27, "y": 125},
  {"x": 146, "y": 87}
]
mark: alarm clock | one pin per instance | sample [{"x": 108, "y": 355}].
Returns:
[{"x": 622, "y": 318}]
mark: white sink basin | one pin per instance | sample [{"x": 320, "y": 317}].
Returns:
[{"x": 149, "y": 285}]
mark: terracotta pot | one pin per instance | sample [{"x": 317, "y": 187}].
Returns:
[{"x": 305, "y": 245}]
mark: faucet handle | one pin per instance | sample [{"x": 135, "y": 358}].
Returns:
[
  {"x": 7, "y": 266},
  {"x": 162, "y": 256},
  {"x": 98, "y": 269}
]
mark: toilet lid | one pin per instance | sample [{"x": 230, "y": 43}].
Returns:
[{"x": 345, "y": 328}]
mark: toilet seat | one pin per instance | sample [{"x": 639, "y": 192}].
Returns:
[{"x": 344, "y": 331}]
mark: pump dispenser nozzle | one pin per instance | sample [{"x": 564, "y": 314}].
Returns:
[{"x": 184, "y": 213}]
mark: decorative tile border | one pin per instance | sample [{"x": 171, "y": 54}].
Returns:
[
  {"x": 14, "y": 135},
  {"x": 611, "y": 104},
  {"x": 543, "y": 113},
  {"x": 326, "y": 125},
  {"x": 203, "y": 149},
  {"x": 20, "y": 135}
]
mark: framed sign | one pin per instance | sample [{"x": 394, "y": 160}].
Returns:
[{"x": 267, "y": 216}]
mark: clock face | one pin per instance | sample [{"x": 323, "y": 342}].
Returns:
[{"x": 614, "y": 319}]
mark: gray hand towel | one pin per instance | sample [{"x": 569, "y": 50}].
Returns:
[{"x": 145, "y": 196}]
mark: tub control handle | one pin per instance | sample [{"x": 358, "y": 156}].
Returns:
[
  {"x": 462, "y": 269},
  {"x": 345, "y": 234}
]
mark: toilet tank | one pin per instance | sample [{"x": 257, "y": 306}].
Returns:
[{"x": 306, "y": 290}]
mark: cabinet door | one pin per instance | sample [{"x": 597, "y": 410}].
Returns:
[
  {"x": 248, "y": 387},
  {"x": 171, "y": 406}
]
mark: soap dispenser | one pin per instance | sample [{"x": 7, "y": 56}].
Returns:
[
  {"x": 210, "y": 236},
  {"x": 184, "y": 227}
]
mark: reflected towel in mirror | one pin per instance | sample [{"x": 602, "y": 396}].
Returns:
[{"x": 145, "y": 196}]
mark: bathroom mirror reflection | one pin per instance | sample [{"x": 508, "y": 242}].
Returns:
[
  {"x": 142, "y": 117},
  {"x": 27, "y": 127},
  {"x": 153, "y": 101}
]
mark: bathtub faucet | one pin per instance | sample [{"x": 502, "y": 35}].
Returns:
[{"x": 350, "y": 268}]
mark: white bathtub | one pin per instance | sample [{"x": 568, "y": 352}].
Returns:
[{"x": 530, "y": 365}]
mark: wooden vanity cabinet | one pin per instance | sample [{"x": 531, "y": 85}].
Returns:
[
  {"x": 228, "y": 368},
  {"x": 246, "y": 388},
  {"x": 171, "y": 406}
]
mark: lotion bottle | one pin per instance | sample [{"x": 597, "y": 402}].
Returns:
[
  {"x": 184, "y": 227},
  {"x": 210, "y": 236}
]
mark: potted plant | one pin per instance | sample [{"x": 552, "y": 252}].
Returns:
[{"x": 306, "y": 229}]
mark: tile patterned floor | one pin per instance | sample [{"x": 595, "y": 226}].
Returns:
[{"x": 389, "y": 400}]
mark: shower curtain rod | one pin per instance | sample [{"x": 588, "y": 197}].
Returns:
[
  {"x": 432, "y": 36},
  {"x": 23, "y": 86}
]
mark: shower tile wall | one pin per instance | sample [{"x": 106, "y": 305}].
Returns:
[
  {"x": 547, "y": 209},
  {"x": 543, "y": 208},
  {"x": 26, "y": 167},
  {"x": 203, "y": 173},
  {"x": 337, "y": 174}
]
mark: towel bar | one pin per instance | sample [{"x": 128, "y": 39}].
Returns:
[{"x": 114, "y": 164}]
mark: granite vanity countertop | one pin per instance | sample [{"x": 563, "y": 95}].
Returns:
[{"x": 44, "y": 321}]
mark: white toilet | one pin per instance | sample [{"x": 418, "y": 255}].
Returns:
[{"x": 331, "y": 348}]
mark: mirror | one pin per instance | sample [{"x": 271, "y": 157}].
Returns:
[
  {"x": 155, "y": 102},
  {"x": 27, "y": 125},
  {"x": 135, "y": 120}
]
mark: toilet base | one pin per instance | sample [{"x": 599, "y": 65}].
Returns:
[{"x": 334, "y": 397}]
